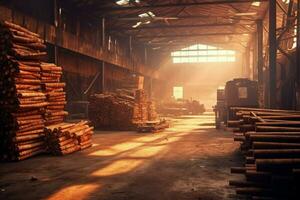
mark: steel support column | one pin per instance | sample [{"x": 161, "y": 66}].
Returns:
[
  {"x": 298, "y": 56},
  {"x": 272, "y": 53},
  {"x": 56, "y": 15},
  {"x": 103, "y": 63},
  {"x": 260, "y": 62}
]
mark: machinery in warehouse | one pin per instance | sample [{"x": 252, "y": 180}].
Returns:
[
  {"x": 239, "y": 92},
  {"x": 219, "y": 108}
]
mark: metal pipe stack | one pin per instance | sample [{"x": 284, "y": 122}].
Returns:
[
  {"x": 270, "y": 142},
  {"x": 21, "y": 100}
]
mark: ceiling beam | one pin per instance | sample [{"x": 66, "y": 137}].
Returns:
[
  {"x": 191, "y": 35},
  {"x": 179, "y": 26},
  {"x": 179, "y": 5}
]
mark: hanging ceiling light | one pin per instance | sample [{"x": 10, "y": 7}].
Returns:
[
  {"x": 126, "y": 2},
  {"x": 256, "y": 3}
]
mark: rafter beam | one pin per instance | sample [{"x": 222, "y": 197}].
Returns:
[
  {"x": 191, "y": 35},
  {"x": 180, "y": 26},
  {"x": 180, "y": 5}
]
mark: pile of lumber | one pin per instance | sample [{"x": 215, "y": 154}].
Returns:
[
  {"x": 140, "y": 107},
  {"x": 151, "y": 110},
  {"x": 21, "y": 99},
  {"x": 54, "y": 89},
  {"x": 111, "y": 111},
  {"x": 31, "y": 95},
  {"x": 270, "y": 142},
  {"x": 66, "y": 138},
  {"x": 122, "y": 110},
  {"x": 153, "y": 126}
]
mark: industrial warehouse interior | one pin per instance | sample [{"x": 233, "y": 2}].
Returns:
[{"x": 149, "y": 99}]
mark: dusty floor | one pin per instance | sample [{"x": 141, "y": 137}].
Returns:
[{"x": 190, "y": 161}]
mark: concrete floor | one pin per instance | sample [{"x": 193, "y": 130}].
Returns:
[{"x": 189, "y": 161}]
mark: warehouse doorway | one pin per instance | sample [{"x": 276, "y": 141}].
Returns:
[{"x": 178, "y": 92}]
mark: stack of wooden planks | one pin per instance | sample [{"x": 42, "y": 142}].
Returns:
[
  {"x": 140, "y": 107},
  {"x": 31, "y": 95},
  {"x": 54, "y": 89},
  {"x": 122, "y": 110},
  {"x": 66, "y": 138},
  {"x": 153, "y": 126},
  {"x": 111, "y": 111},
  {"x": 21, "y": 99},
  {"x": 151, "y": 110},
  {"x": 270, "y": 142}
]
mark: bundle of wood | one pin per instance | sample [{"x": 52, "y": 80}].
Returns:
[
  {"x": 111, "y": 111},
  {"x": 122, "y": 110},
  {"x": 151, "y": 110},
  {"x": 66, "y": 138},
  {"x": 270, "y": 142},
  {"x": 21, "y": 99},
  {"x": 56, "y": 97},
  {"x": 153, "y": 126},
  {"x": 133, "y": 83},
  {"x": 20, "y": 42},
  {"x": 141, "y": 107}
]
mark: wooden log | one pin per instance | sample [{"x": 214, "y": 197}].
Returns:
[
  {"x": 32, "y": 94},
  {"x": 85, "y": 146},
  {"x": 276, "y": 129},
  {"x": 27, "y": 137},
  {"x": 19, "y": 28},
  {"x": 275, "y": 145},
  {"x": 254, "y": 191},
  {"x": 276, "y": 138},
  {"x": 247, "y": 134},
  {"x": 246, "y": 184},
  {"x": 280, "y": 124},
  {"x": 20, "y": 147},
  {"x": 30, "y": 154},
  {"x": 70, "y": 150},
  {"x": 277, "y": 164},
  {"x": 276, "y": 153},
  {"x": 32, "y": 132},
  {"x": 30, "y": 128}
]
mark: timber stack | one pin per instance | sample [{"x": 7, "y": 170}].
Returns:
[
  {"x": 54, "y": 90},
  {"x": 21, "y": 101},
  {"x": 153, "y": 126},
  {"x": 140, "y": 107},
  {"x": 32, "y": 95},
  {"x": 123, "y": 110},
  {"x": 151, "y": 109},
  {"x": 65, "y": 138},
  {"x": 270, "y": 142}
]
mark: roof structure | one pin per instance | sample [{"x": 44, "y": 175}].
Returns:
[{"x": 169, "y": 25}]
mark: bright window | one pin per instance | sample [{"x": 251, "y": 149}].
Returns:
[
  {"x": 200, "y": 53},
  {"x": 178, "y": 92}
]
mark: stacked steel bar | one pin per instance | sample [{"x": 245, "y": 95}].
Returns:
[
  {"x": 56, "y": 97},
  {"x": 21, "y": 99},
  {"x": 66, "y": 138},
  {"x": 270, "y": 141}
]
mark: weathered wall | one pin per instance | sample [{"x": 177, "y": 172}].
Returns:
[{"x": 86, "y": 41}]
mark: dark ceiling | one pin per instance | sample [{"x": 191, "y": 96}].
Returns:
[{"x": 179, "y": 23}]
